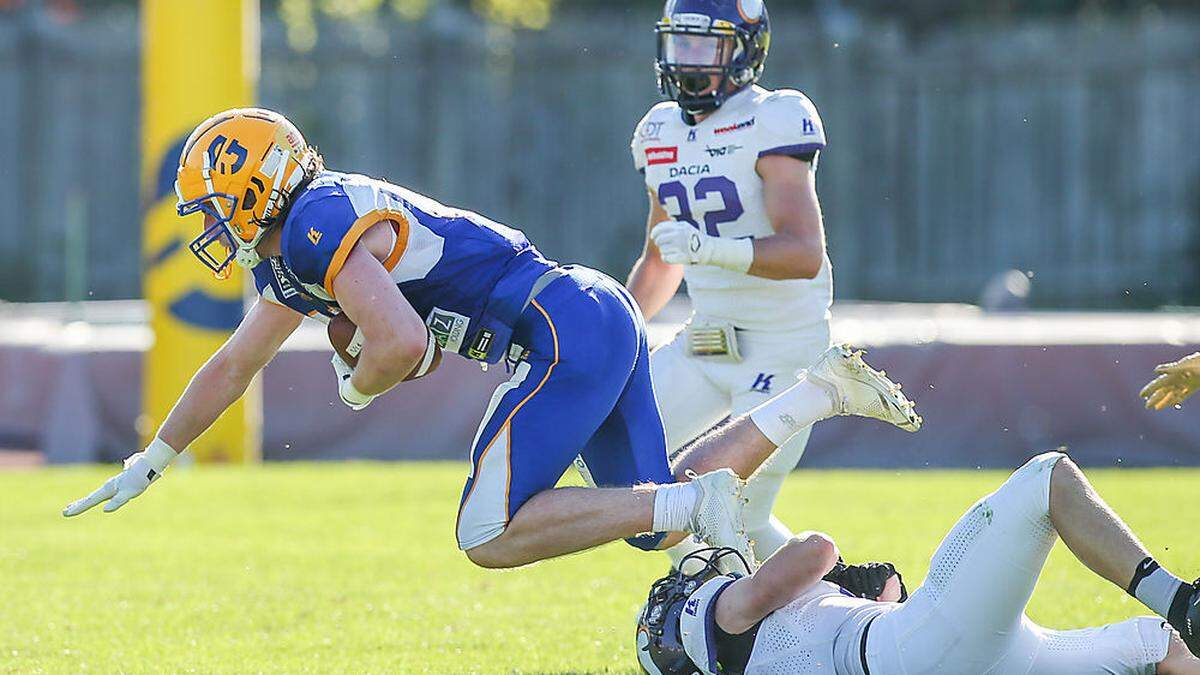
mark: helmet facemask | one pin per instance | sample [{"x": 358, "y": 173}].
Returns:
[
  {"x": 702, "y": 62},
  {"x": 218, "y": 245}
]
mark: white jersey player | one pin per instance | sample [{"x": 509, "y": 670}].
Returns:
[
  {"x": 730, "y": 171},
  {"x": 968, "y": 617}
]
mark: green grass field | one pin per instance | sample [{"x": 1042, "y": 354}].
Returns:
[{"x": 353, "y": 568}]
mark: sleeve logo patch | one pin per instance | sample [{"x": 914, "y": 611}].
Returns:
[
  {"x": 314, "y": 236},
  {"x": 666, "y": 155},
  {"x": 283, "y": 280},
  {"x": 651, "y": 130},
  {"x": 448, "y": 328}
]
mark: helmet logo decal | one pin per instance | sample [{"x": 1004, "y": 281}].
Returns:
[
  {"x": 751, "y": 10},
  {"x": 250, "y": 200},
  {"x": 235, "y": 149}
]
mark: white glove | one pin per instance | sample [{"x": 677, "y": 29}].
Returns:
[
  {"x": 141, "y": 469},
  {"x": 682, "y": 244},
  {"x": 352, "y": 397}
]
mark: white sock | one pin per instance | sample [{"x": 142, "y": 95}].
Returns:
[
  {"x": 795, "y": 409},
  {"x": 1157, "y": 590},
  {"x": 673, "y": 506}
]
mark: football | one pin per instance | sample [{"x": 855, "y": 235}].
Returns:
[
  {"x": 345, "y": 338},
  {"x": 347, "y": 341}
]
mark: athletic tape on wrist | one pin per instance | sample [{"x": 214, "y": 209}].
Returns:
[{"x": 733, "y": 254}]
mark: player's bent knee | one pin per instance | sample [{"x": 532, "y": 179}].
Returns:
[
  {"x": 1044, "y": 461},
  {"x": 1067, "y": 470},
  {"x": 495, "y": 553},
  {"x": 647, "y": 542},
  {"x": 490, "y": 556}
]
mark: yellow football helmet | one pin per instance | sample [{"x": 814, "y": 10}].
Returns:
[{"x": 240, "y": 167}]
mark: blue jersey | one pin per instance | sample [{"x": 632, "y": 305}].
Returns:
[
  {"x": 468, "y": 276},
  {"x": 582, "y": 384}
]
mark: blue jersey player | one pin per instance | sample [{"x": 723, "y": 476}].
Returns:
[{"x": 417, "y": 277}]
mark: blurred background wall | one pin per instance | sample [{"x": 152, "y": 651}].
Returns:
[{"x": 1058, "y": 138}]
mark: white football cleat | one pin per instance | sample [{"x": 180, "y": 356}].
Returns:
[
  {"x": 717, "y": 517},
  {"x": 858, "y": 389}
]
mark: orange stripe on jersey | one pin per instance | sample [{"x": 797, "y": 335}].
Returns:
[
  {"x": 356, "y": 232},
  {"x": 401, "y": 244}
]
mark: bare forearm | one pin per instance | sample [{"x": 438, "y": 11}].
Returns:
[
  {"x": 653, "y": 284},
  {"x": 212, "y": 390},
  {"x": 784, "y": 256},
  {"x": 785, "y": 576},
  {"x": 378, "y": 372},
  {"x": 803, "y": 561}
]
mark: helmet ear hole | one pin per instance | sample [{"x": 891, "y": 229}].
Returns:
[{"x": 249, "y": 200}]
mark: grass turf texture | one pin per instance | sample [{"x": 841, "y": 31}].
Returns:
[{"x": 353, "y": 568}]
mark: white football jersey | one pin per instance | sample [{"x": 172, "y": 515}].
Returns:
[
  {"x": 705, "y": 175},
  {"x": 819, "y": 632}
]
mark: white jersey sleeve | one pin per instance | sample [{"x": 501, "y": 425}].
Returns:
[{"x": 790, "y": 125}]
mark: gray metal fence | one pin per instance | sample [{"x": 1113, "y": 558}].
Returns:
[{"x": 1068, "y": 150}]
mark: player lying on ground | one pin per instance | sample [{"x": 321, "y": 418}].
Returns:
[
  {"x": 967, "y": 618},
  {"x": 417, "y": 277},
  {"x": 1176, "y": 382},
  {"x": 730, "y": 169}
]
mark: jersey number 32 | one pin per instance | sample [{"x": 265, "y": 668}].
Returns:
[{"x": 704, "y": 188}]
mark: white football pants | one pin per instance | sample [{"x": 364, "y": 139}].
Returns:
[
  {"x": 694, "y": 394},
  {"x": 969, "y": 615}
]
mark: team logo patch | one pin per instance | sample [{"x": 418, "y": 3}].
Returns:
[
  {"x": 314, "y": 236},
  {"x": 665, "y": 155},
  {"x": 735, "y": 127},
  {"x": 448, "y": 328},
  {"x": 692, "y": 606},
  {"x": 762, "y": 383}
]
